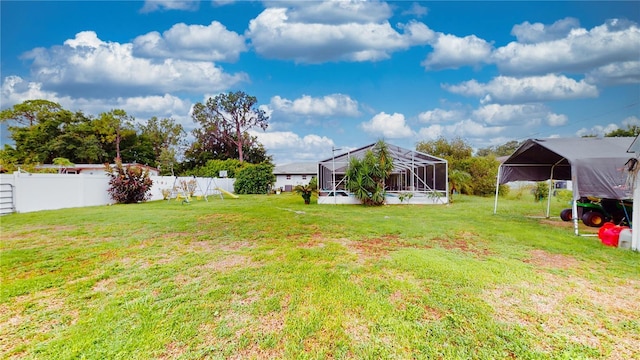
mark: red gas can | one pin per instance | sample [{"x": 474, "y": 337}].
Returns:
[{"x": 611, "y": 234}]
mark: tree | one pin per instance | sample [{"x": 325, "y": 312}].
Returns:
[
  {"x": 228, "y": 117},
  {"x": 306, "y": 190},
  {"x": 366, "y": 176},
  {"x": 164, "y": 136},
  {"x": 631, "y": 131},
  {"x": 483, "y": 170},
  {"x": 30, "y": 112},
  {"x": 77, "y": 141},
  {"x": 207, "y": 147},
  {"x": 112, "y": 126},
  {"x": 254, "y": 179},
  {"x": 452, "y": 151},
  {"x": 213, "y": 168},
  {"x": 460, "y": 182},
  {"x": 505, "y": 149},
  {"x": 59, "y": 134}
]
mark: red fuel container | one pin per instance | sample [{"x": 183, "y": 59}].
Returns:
[{"x": 611, "y": 234}]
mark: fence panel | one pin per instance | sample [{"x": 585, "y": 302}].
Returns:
[{"x": 35, "y": 192}]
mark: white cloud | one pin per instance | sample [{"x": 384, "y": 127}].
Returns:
[
  {"x": 16, "y": 90},
  {"x": 470, "y": 128},
  {"x": 330, "y": 105},
  {"x": 631, "y": 121},
  {"x": 156, "y": 5},
  {"x": 489, "y": 123},
  {"x": 191, "y": 42},
  {"x": 537, "y": 32},
  {"x": 556, "y": 119},
  {"x": 602, "y": 130},
  {"x": 627, "y": 72},
  {"x": 464, "y": 129},
  {"x": 336, "y": 11},
  {"x": 416, "y": 10},
  {"x": 431, "y": 132},
  {"x": 579, "y": 51},
  {"x": 88, "y": 66},
  {"x": 286, "y": 146},
  {"x": 597, "y": 130},
  {"x": 505, "y": 89},
  {"x": 518, "y": 115},
  {"x": 277, "y": 33},
  {"x": 452, "y": 52},
  {"x": 388, "y": 126},
  {"x": 441, "y": 116}
]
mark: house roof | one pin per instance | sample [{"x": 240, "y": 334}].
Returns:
[
  {"x": 403, "y": 158},
  {"x": 89, "y": 166},
  {"x": 595, "y": 165},
  {"x": 299, "y": 168}
]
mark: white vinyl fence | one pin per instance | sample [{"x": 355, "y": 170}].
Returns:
[{"x": 25, "y": 192}]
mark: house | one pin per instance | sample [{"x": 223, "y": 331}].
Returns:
[
  {"x": 290, "y": 175},
  {"x": 91, "y": 169}
]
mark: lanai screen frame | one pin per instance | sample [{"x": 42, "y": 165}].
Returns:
[{"x": 422, "y": 173}]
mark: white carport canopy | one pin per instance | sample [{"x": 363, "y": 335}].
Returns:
[{"x": 596, "y": 166}]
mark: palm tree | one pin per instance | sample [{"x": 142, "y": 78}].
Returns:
[
  {"x": 366, "y": 177},
  {"x": 459, "y": 181},
  {"x": 307, "y": 190}
]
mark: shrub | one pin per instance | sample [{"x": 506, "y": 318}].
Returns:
[
  {"x": 541, "y": 191},
  {"x": 128, "y": 185},
  {"x": 564, "y": 196},
  {"x": 366, "y": 176},
  {"x": 483, "y": 171},
  {"x": 254, "y": 179},
  {"x": 307, "y": 190},
  {"x": 213, "y": 167}
]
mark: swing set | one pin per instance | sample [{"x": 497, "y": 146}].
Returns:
[{"x": 185, "y": 190}]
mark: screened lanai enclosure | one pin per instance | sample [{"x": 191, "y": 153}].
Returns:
[{"x": 417, "y": 178}]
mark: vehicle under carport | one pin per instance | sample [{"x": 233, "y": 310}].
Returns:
[{"x": 597, "y": 167}]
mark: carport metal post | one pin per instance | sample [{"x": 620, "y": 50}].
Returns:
[
  {"x": 495, "y": 203},
  {"x": 574, "y": 206},
  {"x": 553, "y": 167}
]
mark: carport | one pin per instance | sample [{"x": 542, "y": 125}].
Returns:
[{"x": 597, "y": 167}]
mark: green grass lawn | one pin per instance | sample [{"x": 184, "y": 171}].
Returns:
[{"x": 269, "y": 277}]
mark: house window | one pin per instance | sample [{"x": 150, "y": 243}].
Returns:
[
  {"x": 288, "y": 177},
  {"x": 304, "y": 177}
]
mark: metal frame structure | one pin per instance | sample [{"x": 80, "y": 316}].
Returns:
[{"x": 423, "y": 176}]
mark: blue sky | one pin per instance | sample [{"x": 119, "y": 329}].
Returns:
[{"x": 339, "y": 73}]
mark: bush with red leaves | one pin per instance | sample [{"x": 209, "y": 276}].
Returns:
[{"x": 129, "y": 185}]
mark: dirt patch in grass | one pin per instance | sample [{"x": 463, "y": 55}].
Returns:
[
  {"x": 402, "y": 301},
  {"x": 29, "y": 316},
  {"x": 564, "y": 224},
  {"x": 548, "y": 260},
  {"x": 104, "y": 285},
  {"x": 215, "y": 245},
  {"x": 249, "y": 329},
  {"x": 312, "y": 244},
  {"x": 231, "y": 262},
  {"x": 356, "y": 329},
  {"x": 173, "y": 350},
  {"x": 245, "y": 300},
  {"x": 254, "y": 351},
  {"x": 465, "y": 241},
  {"x": 376, "y": 248},
  {"x": 602, "y": 317}
]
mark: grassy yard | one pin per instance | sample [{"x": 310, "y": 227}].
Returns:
[{"x": 268, "y": 277}]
